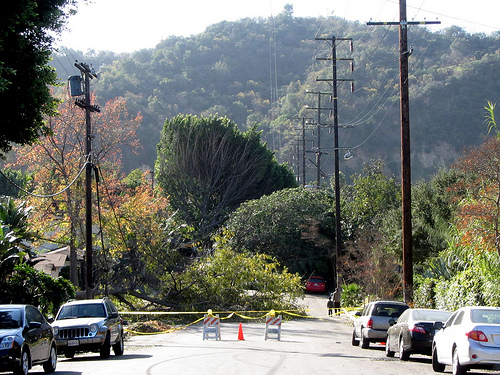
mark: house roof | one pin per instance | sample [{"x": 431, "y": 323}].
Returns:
[{"x": 52, "y": 260}]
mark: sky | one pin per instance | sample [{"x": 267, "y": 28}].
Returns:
[{"x": 131, "y": 25}]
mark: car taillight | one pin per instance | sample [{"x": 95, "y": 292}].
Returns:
[
  {"x": 417, "y": 329},
  {"x": 369, "y": 324},
  {"x": 476, "y": 336}
]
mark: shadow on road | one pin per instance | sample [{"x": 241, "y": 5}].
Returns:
[{"x": 86, "y": 358}]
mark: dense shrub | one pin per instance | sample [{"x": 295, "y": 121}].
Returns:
[
  {"x": 33, "y": 287},
  {"x": 464, "y": 289},
  {"x": 424, "y": 293},
  {"x": 351, "y": 295}
]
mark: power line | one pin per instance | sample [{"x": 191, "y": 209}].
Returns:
[
  {"x": 448, "y": 16},
  {"x": 49, "y": 195}
]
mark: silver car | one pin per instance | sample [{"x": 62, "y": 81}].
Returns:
[
  {"x": 470, "y": 338},
  {"x": 372, "y": 323},
  {"x": 88, "y": 326}
]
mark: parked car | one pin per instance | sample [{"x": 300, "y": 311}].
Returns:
[
  {"x": 315, "y": 284},
  {"x": 88, "y": 326},
  {"x": 372, "y": 323},
  {"x": 470, "y": 338},
  {"x": 26, "y": 340},
  {"x": 413, "y": 332}
]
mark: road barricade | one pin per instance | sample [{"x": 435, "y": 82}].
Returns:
[
  {"x": 211, "y": 327},
  {"x": 273, "y": 327}
]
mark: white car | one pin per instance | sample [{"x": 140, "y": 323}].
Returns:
[{"x": 470, "y": 338}]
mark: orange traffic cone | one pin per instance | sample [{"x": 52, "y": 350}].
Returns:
[{"x": 240, "y": 333}]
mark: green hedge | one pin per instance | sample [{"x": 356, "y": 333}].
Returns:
[{"x": 465, "y": 289}]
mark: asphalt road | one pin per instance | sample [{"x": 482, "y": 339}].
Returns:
[{"x": 307, "y": 346}]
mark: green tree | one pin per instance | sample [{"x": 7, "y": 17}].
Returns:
[
  {"x": 19, "y": 281},
  {"x": 25, "y": 75},
  {"x": 434, "y": 207},
  {"x": 290, "y": 225},
  {"x": 13, "y": 231},
  {"x": 27, "y": 285},
  {"x": 371, "y": 194},
  {"x": 208, "y": 168},
  {"x": 134, "y": 179},
  {"x": 228, "y": 280},
  {"x": 370, "y": 213},
  {"x": 10, "y": 182}
]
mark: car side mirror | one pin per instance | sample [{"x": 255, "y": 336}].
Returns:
[
  {"x": 438, "y": 325},
  {"x": 392, "y": 321},
  {"x": 357, "y": 313},
  {"x": 113, "y": 315},
  {"x": 34, "y": 325}
]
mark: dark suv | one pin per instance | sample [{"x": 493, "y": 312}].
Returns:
[{"x": 92, "y": 325}]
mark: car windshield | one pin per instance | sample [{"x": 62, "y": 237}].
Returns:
[
  {"x": 82, "y": 311},
  {"x": 11, "y": 318},
  {"x": 430, "y": 315},
  {"x": 485, "y": 316}
]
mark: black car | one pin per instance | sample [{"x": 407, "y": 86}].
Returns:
[
  {"x": 413, "y": 332},
  {"x": 26, "y": 340}
]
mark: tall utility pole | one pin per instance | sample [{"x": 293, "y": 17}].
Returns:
[
  {"x": 84, "y": 103},
  {"x": 319, "y": 124},
  {"x": 333, "y": 82},
  {"x": 302, "y": 142},
  {"x": 404, "y": 53},
  {"x": 303, "y": 151}
]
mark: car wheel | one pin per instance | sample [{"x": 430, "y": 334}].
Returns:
[
  {"x": 365, "y": 342},
  {"x": 24, "y": 365},
  {"x": 436, "y": 366},
  {"x": 105, "y": 348},
  {"x": 354, "y": 341},
  {"x": 388, "y": 351},
  {"x": 51, "y": 363},
  {"x": 457, "y": 368},
  {"x": 118, "y": 347},
  {"x": 403, "y": 354}
]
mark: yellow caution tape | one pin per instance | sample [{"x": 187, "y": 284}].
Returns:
[{"x": 271, "y": 313}]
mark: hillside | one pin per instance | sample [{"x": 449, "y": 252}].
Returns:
[{"x": 258, "y": 70}]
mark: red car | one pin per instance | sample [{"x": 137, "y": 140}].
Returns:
[{"x": 315, "y": 284}]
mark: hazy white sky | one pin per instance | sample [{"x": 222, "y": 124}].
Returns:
[{"x": 130, "y": 25}]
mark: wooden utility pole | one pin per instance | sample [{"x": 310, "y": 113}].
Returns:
[
  {"x": 405, "y": 156},
  {"x": 404, "y": 53},
  {"x": 85, "y": 103}
]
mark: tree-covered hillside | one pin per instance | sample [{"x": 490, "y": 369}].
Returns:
[{"x": 258, "y": 71}]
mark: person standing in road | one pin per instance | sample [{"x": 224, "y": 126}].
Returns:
[
  {"x": 336, "y": 301},
  {"x": 330, "y": 306}
]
